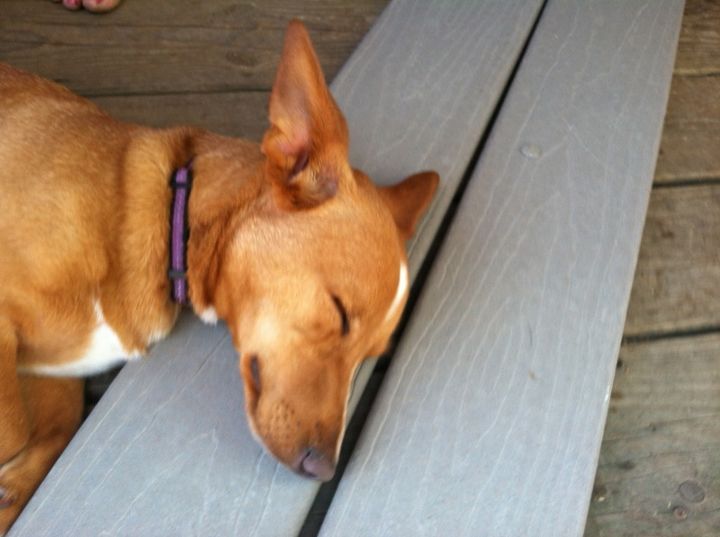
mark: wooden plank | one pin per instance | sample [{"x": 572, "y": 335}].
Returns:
[
  {"x": 241, "y": 114},
  {"x": 676, "y": 281},
  {"x": 490, "y": 418},
  {"x": 658, "y": 474},
  {"x": 182, "y": 458},
  {"x": 174, "y": 45},
  {"x": 690, "y": 147},
  {"x": 699, "y": 39}
]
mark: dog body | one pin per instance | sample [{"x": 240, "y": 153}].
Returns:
[
  {"x": 73, "y": 222},
  {"x": 298, "y": 253}
]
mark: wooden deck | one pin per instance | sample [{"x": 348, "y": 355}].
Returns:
[{"x": 659, "y": 473}]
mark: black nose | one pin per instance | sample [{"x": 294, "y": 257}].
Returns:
[{"x": 313, "y": 463}]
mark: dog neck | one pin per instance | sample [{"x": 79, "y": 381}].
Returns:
[
  {"x": 136, "y": 292},
  {"x": 228, "y": 187}
]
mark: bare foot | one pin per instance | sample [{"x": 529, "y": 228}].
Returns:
[{"x": 96, "y": 6}]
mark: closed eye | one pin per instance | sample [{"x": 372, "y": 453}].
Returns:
[
  {"x": 345, "y": 329},
  {"x": 255, "y": 373}
]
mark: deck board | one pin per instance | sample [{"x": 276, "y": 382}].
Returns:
[
  {"x": 690, "y": 147},
  {"x": 700, "y": 40},
  {"x": 663, "y": 431},
  {"x": 676, "y": 282},
  {"x": 490, "y": 418},
  {"x": 174, "y": 46},
  {"x": 402, "y": 118}
]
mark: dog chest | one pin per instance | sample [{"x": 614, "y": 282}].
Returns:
[{"x": 104, "y": 351}]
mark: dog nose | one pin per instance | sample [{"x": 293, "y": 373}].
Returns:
[{"x": 315, "y": 464}]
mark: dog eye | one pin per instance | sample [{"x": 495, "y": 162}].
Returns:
[
  {"x": 255, "y": 372},
  {"x": 345, "y": 330}
]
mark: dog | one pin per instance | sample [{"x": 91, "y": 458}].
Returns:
[{"x": 299, "y": 254}]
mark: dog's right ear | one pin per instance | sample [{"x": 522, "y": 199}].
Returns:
[
  {"x": 307, "y": 134},
  {"x": 409, "y": 199}
]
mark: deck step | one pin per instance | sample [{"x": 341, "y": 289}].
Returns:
[{"x": 490, "y": 419}]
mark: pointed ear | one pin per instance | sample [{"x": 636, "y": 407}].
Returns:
[
  {"x": 409, "y": 199},
  {"x": 304, "y": 122}
]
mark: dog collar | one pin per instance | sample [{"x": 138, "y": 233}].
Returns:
[{"x": 180, "y": 182}]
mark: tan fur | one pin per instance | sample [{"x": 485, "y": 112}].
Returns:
[
  {"x": 54, "y": 406},
  {"x": 84, "y": 217}
]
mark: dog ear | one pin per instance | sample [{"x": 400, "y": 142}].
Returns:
[
  {"x": 307, "y": 130},
  {"x": 409, "y": 199}
]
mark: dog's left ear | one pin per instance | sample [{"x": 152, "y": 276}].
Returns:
[
  {"x": 409, "y": 199},
  {"x": 306, "y": 144}
]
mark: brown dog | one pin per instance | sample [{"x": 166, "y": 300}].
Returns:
[{"x": 300, "y": 255}]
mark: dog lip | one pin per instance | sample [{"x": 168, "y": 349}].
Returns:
[{"x": 301, "y": 472}]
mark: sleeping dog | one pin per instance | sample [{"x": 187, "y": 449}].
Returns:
[{"x": 107, "y": 228}]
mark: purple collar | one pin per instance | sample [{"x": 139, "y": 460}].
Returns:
[{"x": 180, "y": 183}]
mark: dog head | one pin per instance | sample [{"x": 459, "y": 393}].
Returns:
[{"x": 315, "y": 278}]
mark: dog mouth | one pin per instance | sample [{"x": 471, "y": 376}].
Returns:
[{"x": 311, "y": 462}]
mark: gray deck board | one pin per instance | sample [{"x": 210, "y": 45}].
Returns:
[
  {"x": 490, "y": 419},
  {"x": 167, "y": 450}
]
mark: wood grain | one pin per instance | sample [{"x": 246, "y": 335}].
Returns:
[
  {"x": 658, "y": 474},
  {"x": 490, "y": 419},
  {"x": 699, "y": 39},
  {"x": 690, "y": 147},
  {"x": 167, "y": 450},
  {"x": 676, "y": 281},
  {"x": 241, "y": 114},
  {"x": 174, "y": 46}
]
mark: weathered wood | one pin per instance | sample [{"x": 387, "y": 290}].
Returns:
[
  {"x": 700, "y": 39},
  {"x": 182, "y": 460},
  {"x": 658, "y": 474},
  {"x": 676, "y": 281},
  {"x": 690, "y": 147},
  {"x": 490, "y": 418},
  {"x": 241, "y": 114},
  {"x": 174, "y": 45}
]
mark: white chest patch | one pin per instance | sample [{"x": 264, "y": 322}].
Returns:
[
  {"x": 399, "y": 294},
  {"x": 209, "y": 316},
  {"x": 104, "y": 351}
]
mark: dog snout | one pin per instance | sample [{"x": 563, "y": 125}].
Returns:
[{"x": 313, "y": 463}]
